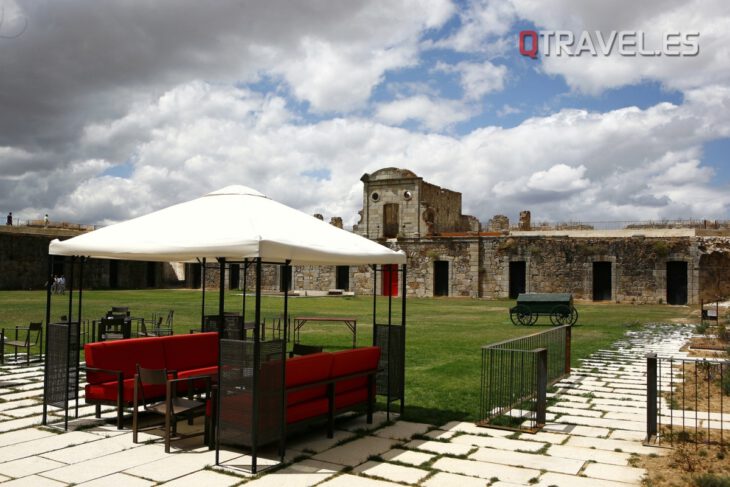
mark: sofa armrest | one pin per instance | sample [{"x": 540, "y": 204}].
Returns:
[{"x": 118, "y": 374}]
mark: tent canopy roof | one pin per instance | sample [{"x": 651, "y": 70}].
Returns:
[{"x": 236, "y": 223}]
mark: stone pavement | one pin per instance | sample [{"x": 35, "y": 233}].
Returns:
[{"x": 597, "y": 421}]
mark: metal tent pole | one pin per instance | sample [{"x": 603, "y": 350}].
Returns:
[{"x": 45, "y": 351}]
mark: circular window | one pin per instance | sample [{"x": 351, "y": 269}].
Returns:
[
  {"x": 407, "y": 195},
  {"x": 375, "y": 196}
]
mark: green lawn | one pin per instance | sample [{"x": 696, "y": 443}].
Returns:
[{"x": 444, "y": 336}]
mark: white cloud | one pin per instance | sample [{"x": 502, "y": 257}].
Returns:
[
  {"x": 431, "y": 113},
  {"x": 592, "y": 75},
  {"x": 477, "y": 79},
  {"x": 559, "y": 178},
  {"x": 572, "y": 164},
  {"x": 483, "y": 23}
]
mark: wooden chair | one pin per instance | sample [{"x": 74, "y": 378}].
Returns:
[
  {"x": 28, "y": 343},
  {"x": 172, "y": 407}
]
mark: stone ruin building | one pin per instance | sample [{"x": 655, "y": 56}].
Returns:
[{"x": 452, "y": 254}]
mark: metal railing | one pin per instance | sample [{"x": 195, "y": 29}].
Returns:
[
  {"x": 685, "y": 399},
  {"x": 516, "y": 374}
]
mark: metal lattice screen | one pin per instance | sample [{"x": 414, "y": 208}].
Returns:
[
  {"x": 62, "y": 368},
  {"x": 391, "y": 368},
  {"x": 244, "y": 386}
]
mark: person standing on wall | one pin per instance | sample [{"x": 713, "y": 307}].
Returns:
[
  {"x": 9, "y": 219},
  {"x": 45, "y": 220}
]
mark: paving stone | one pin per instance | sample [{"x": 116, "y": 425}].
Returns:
[
  {"x": 355, "y": 481},
  {"x": 28, "y": 466},
  {"x": 45, "y": 444},
  {"x": 359, "y": 423},
  {"x": 205, "y": 477},
  {"x": 402, "y": 430},
  {"x": 355, "y": 452},
  {"x": 33, "y": 481},
  {"x": 440, "y": 447},
  {"x": 23, "y": 395},
  {"x": 565, "y": 402},
  {"x": 26, "y": 411},
  {"x": 440, "y": 435},
  {"x": 544, "y": 437},
  {"x": 629, "y": 475},
  {"x": 628, "y": 435},
  {"x": 577, "y": 430},
  {"x": 604, "y": 423},
  {"x": 16, "y": 424},
  {"x": 443, "y": 479},
  {"x": 14, "y": 438},
  {"x": 107, "y": 465},
  {"x": 318, "y": 442},
  {"x": 407, "y": 456},
  {"x": 591, "y": 413},
  {"x": 302, "y": 474},
  {"x": 500, "y": 443},
  {"x": 120, "y": 479},
  {"x": 83, "y": 451},
  {"x": 471, "y": 428},
  {"x": 486, "y": 471},
  {"x": 517, "y": 459},
  {"x": 579, "y": 453},
  {"x": 553, "y": 479},
  {"x": 5, "y": 406},
  {"x": 611, "y": 445},
  {"x": 389, "y": 471},
  {"x": 174, "y": 466},
  {"x": 627, "y": 416}
]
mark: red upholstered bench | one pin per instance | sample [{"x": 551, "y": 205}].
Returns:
[
  {"x": 110, "y": 366},
  {"x": 326, "y": 384}
]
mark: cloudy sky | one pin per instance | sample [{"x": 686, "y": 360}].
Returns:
[{"x": 109, "y": 110}]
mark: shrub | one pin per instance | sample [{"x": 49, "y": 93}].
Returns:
[{"x": 712, "y": 480}]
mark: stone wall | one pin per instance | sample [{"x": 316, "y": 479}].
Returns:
[
  {"x": 556, "y": 264},
  {"x": 446, "y": 205},
  {"x": 714, "y": 269},
  {"x": 24, "y": 265}
]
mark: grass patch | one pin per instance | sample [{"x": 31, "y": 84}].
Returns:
[{"x": 444, "y": 336}]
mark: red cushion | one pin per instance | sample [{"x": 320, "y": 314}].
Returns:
[
  {"x": 123, "y": 355},
  {"x": 308, "y": 368},
  {"x": 107, "y": 391},
  {"x": 193, "y": 351},
  {"x": 306, "y": 410},
  {"x": 350, "y": 384},
  {"x": 351, "y": 397},
  {"x": 317, "y": 392},
  {"x": 347, "y": 362}
]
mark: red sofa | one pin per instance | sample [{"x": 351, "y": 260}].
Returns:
[
  {"x": 318, "y": 386},
  {"x": 111, "y": 366},
  {"x": 325, "y": 384}
]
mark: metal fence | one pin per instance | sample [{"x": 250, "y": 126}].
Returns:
[
  {"x": 516, "y": 374},
  {"x": 685, "y": 399}
]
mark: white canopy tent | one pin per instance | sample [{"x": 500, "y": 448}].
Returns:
[
  {"x": 238, "y": 224},
  {"x": 234, "y": 223}
]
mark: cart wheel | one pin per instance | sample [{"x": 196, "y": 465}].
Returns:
[
  {"x": 561, "y": 315},
  {"x": 573, "y": 316},
  {"x": 523, "y": 315}
]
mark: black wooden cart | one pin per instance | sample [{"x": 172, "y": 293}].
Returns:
[{"x": 558, "y": 306}]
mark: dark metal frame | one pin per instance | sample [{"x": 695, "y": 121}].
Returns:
[
  {"x": 685, "y": 419},
  {"x": 517, "y": 372},
  {"x": 391, "y": 375},
  {"x": 73, "y": 343},
  {"x": 390, "y": 366}
]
